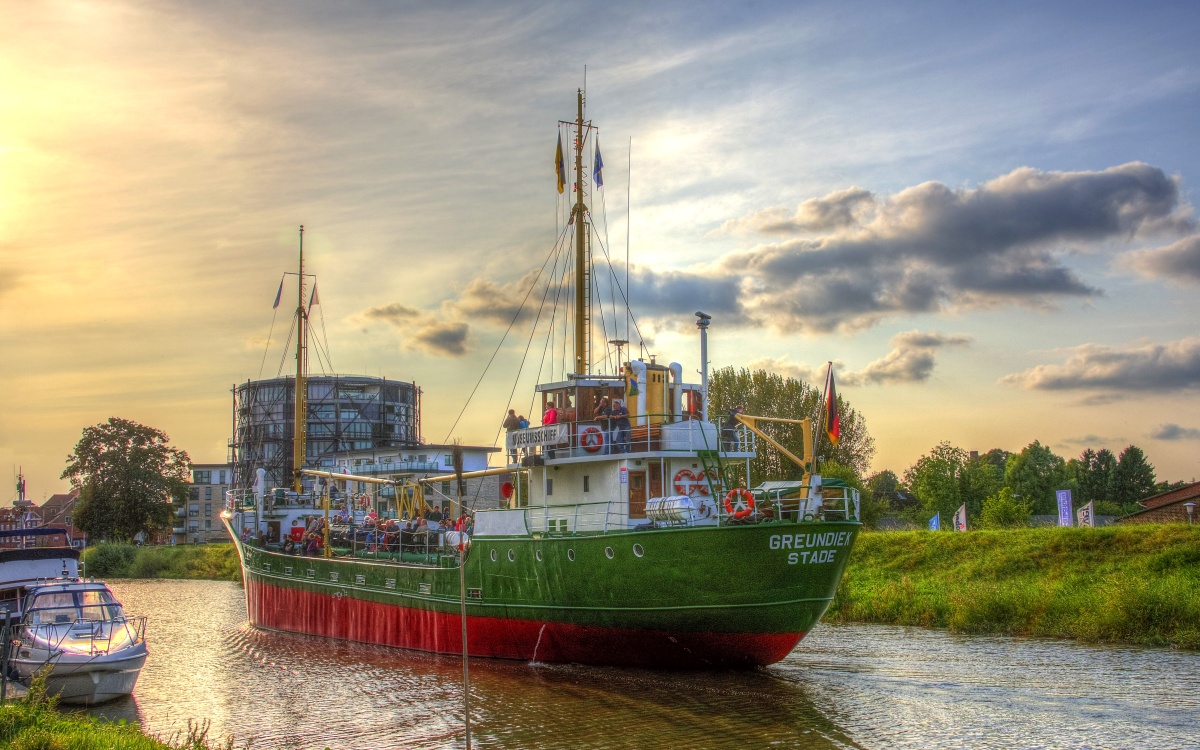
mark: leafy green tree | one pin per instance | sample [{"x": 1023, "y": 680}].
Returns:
[
  {"x": 1035, "y": 474},
  {"x": 979, "y": 479},
  {"x": 1093, "y": 472},
  {"x": 127, "y": 474},
  {"x": 1132, "y": 479},
  {"x": 772, "y": 395},
  {"x": 884, "y": 487},
  {"x": 1004, "y": 511},
  {"x": 936, "y": 479}
]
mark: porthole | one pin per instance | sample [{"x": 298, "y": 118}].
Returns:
[
  {"x": 638, "y": 551},
  {"x": 495, "y": 557},
  {"x": 608, "y": 552},
  {"x": 512, "y": 556},
  {"x": 571, "y": 555},
  {"x": 538, "y": 555}
]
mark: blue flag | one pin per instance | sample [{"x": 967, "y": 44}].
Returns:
[
  {"x": 598, "y": 169},
  {"x": 935, "y": 523},
  {"x": 278, "y": 296}
]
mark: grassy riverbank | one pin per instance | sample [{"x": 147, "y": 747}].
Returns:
[
  {"x": 217, "y": 562},
  {"x": 1125, "y": 584},
  {"x": 34, "y": 723}
]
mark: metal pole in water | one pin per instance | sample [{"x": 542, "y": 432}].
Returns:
[{"x": 462, "y": 600}]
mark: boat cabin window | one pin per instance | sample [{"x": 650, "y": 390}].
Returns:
[{"x": 58, "y": 607}]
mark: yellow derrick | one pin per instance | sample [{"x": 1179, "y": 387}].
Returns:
[{"x": 804, "y": 463}]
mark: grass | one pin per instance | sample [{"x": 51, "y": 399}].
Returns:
[
  {"x": 1123, "y": 584},
  {"x": 218, "y": 562},
  {"x": 34, "y": 723}
]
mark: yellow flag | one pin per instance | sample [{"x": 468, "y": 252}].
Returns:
[{"x": 559, "y": 167}]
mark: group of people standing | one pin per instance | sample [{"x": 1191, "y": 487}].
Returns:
[
  {"x": 612, "y": 417},
  {"x": 614, "y": 424}
]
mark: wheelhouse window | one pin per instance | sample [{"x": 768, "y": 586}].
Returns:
[{"x": 63, "y": 607}]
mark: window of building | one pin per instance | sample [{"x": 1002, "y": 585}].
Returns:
[
  {"x": 208, "y": 493},
  {"x": 207, "y": 525},
  {"x": 194, "y": 493},
  {"x": 586, "y": 483},
  {"x": 549, "y": 486},
  {"x": 446, "y": 487},
  {"x": 448, "y": 460},
  {"x": 222, "y": 477},
  {"x": 202, "y": 477},
  {"x": 208, "y": 506}
]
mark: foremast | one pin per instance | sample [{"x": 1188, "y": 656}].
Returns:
[
  {"x": 301, "y": 415},
  {"x": 583, "y": 282}
]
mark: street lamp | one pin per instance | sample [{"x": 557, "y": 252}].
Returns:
[{"x": 1191, "y": 508}]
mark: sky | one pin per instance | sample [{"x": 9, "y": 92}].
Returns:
[{"x": 984, "y": 215}]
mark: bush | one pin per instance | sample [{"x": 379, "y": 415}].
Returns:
[
  {"x": 110, "y": 560},
  {"x": 1003, "y": 511}
]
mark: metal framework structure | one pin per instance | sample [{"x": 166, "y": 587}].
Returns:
[{"x": 344, "y": 413}]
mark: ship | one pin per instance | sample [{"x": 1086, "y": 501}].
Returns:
[{"x": 625, "y": 539}]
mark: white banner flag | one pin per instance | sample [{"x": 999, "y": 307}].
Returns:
[
  {"x": 1087, "y": 515},
  {"x": 960, "y": 518}
]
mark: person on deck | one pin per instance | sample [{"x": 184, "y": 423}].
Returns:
[
  {"x": 512, "y": 423},
  {"x": 620, "y": 424},
  {"x": 602, "y": 414},
  {"x": 729, "y": 434},
  {"x": 550, "y": 416}
]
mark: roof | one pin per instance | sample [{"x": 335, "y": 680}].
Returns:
[{"x": 1170, "y": 497}]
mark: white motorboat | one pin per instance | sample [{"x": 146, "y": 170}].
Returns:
[{"x": 76, "y": 633}]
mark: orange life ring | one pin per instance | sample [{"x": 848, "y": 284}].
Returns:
[
  {"x": 685, "y": 482},
  {"x": 746, "y": 496},
  {"x": 592, "y": 438},
  {"x": 363, "y": 501}
]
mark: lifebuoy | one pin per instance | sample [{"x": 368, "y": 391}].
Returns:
[
  {"x": 743, "y": 494},
  {"x": 363, "y": 501},
  {"x": 592, "y": 439},
  {"x": 685, "y": 482},
  {"x": 688, "y": 482}
]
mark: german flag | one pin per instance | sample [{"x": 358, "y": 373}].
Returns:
[{"x": 833, "y": 420}]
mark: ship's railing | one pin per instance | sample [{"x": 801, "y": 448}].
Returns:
[
  {"x": 594, "y": 438},
  {"x": 98, "y": 629},
  {"x": 825, "y": 503},
  {"x": 571, "y": 519}
]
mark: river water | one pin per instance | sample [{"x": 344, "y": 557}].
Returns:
[{"x": 856, "y": 686}]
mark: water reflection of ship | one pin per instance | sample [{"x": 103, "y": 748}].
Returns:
[{"x": 604, "y": 556}]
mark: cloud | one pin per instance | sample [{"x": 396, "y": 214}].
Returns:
[
  {"x": 911, "y": 359},
  {"x": 500, "y": 304},
  {"x": 1154, "y": 368},
  {"x": 788, "y": 369},
  {"x": 1171, "y": 431},
  {"x": 838, "y": 210},
  {"x": 929, "y": 248},
  {"x": 1178, "y": 262},
  {"x": 428, "y": 332}
]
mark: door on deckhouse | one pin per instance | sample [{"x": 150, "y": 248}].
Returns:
[{"x": 637, "y": 494}]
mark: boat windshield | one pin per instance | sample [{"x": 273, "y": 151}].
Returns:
[{"x": 57, "y": 607}]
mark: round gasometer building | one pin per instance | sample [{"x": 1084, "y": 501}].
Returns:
[{"x": 345, "y": 413}]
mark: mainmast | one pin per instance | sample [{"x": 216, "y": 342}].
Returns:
[
  {"x": 301, "y": 415},
  {"x": 583, "y": 284}
]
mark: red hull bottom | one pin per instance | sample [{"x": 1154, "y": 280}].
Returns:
[{"x": 351, "y": 619}]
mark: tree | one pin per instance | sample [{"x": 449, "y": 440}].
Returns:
[
  {"x": 979, "y": 479},
  {"x": 1035, "y": 474},
  {"x": 1004, "y": 511},
  {"x": 1132, "y": 479},
  {"x": 771, "y": 395},
  {"x": 936, "y": 479},
  {"x": 1093, "y": 473},
  {"x": 127, "y": 474}
]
